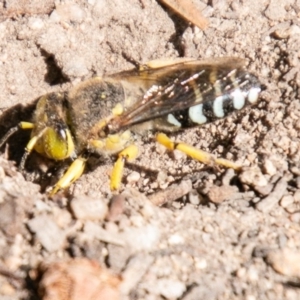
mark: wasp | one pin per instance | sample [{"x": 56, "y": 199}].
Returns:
[{"x": 101, "y": 115}]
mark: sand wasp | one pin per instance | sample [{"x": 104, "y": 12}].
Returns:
[{"x": 100, "y": 115}]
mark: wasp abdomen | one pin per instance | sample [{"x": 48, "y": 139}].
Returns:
[{"x": 223, "y": 97}]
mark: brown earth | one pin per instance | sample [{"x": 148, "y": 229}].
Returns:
[{"x": 219, "y": 235}]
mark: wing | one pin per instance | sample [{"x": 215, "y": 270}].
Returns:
[{"x": 178, "y": 86}]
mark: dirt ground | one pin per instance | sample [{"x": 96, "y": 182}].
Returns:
[{"x": 219, "y": 235}]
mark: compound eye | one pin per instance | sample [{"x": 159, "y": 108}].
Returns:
[{"x": 63, "y": 134}]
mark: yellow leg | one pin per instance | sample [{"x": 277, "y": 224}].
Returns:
[
  {"x": 30, "y": 145},
  {"x": 129, "y": 153},
  {"x": 73, "y": 173},
  {"x": 195, "y": 153}
]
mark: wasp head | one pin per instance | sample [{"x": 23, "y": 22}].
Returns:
[{"x": 54, "y": 139}]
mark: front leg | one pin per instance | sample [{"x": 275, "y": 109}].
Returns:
[{"x": 72, "y": 174}]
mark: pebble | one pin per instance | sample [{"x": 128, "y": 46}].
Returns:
[
  {"x": 200, "y": 263},
  {"x": 292, "y": 208},
  {"x": 74, "y": 65},
  {"x": 218, "y": 194},
  {"x": 177, "y": 204},
  {"x": 136, "y": 267},
  {"x": 142, "y": 238},
  {"x": 7, "y": 290},
  {"x": 295, "y": 217},
  {"x": 298, "y": 182},
  {"x": 116, "y": 208},
  {"x": 208, "y": 228},
  {"x": 94, "y": 230},
  {"x": 170, "y": 288},
  {"x": 264, "y": 190},
  {"x": 87, "y": 208},
  {"x": 252, "y": 274},
  {"x": 267, "y": 203},
  {"x": 176, "y": 239},
  {"x": 297, "y": 196},
  {"x": 286, "y": 200},
  {"x": 194, "y": 197},
  {"x": 269, "y": 168},
  {"x": 228, "y": 176},
  {"x": 253, "y": 176},
  {"x": 35, "y": 23},
  {"x": 275, "y": 10},
  {"x": 47, "y": 232},
  {"x": 285, "y": 261},
  {"x": 70, "y": 12},
  {"x": 133, "y": 177},
  {"x": 14, "y": 259},
  {"x": 62, "y": 217},
  {"x": 172, "y": 193},
  {"x": 241, "y": 272}
]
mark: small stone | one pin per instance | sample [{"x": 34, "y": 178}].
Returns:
[
  {"x": 253, "y": 177},
  {"x": 269, "y": 168},
  {"x": 35, "y": 23},
  {"x": 270, "y": 201},
  {"x": 55, "y": 17},
  {"x": 70, "y": 12},
  {"x": 295, "y": 217},
  {"x": 133, "y": 177},
  {"x": 298, "y": 182},
  {"x": 194, "y": 197},
  {"x": 172, "y": 193},
  {"x": 177, "y": 204},
  {"x": 292, "y": 208},
  {"x": 142, "y": 238},
  {"x": 170, "y": 288},
  {"x": 116, "y": 208},
  {"x": 228, "y": 176},
  {"x": 94, "y": 230},
  {"x": 241, "y": 272},
  {"x": 285, "y": 261},
  {"x": 218, "y": 194},
  {"x": 252, "y": 274},
  {"x": 176, "y": 239},
  {"x": 62, "y": 217},
  {"x": 297, "y": 196},
  {"x": 264, "y": 190},
  {"x": 286, "y": 200},
  {"x": 47, "y": 232},
  {"x": 7, "y": 290},
  {"x": 136, "y": 267},
  {"x": 74, "y": 65},
  {"x": 275, "y": 10},
  {"x": 86, "y": 208},
  {"x": 208, "y": 228},
  {"x": 200, "y": 263}
]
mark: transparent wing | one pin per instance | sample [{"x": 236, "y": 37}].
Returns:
[{"x": 178, "y": 86}]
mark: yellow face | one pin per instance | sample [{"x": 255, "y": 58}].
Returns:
[{"x": 55, "y": 145}]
